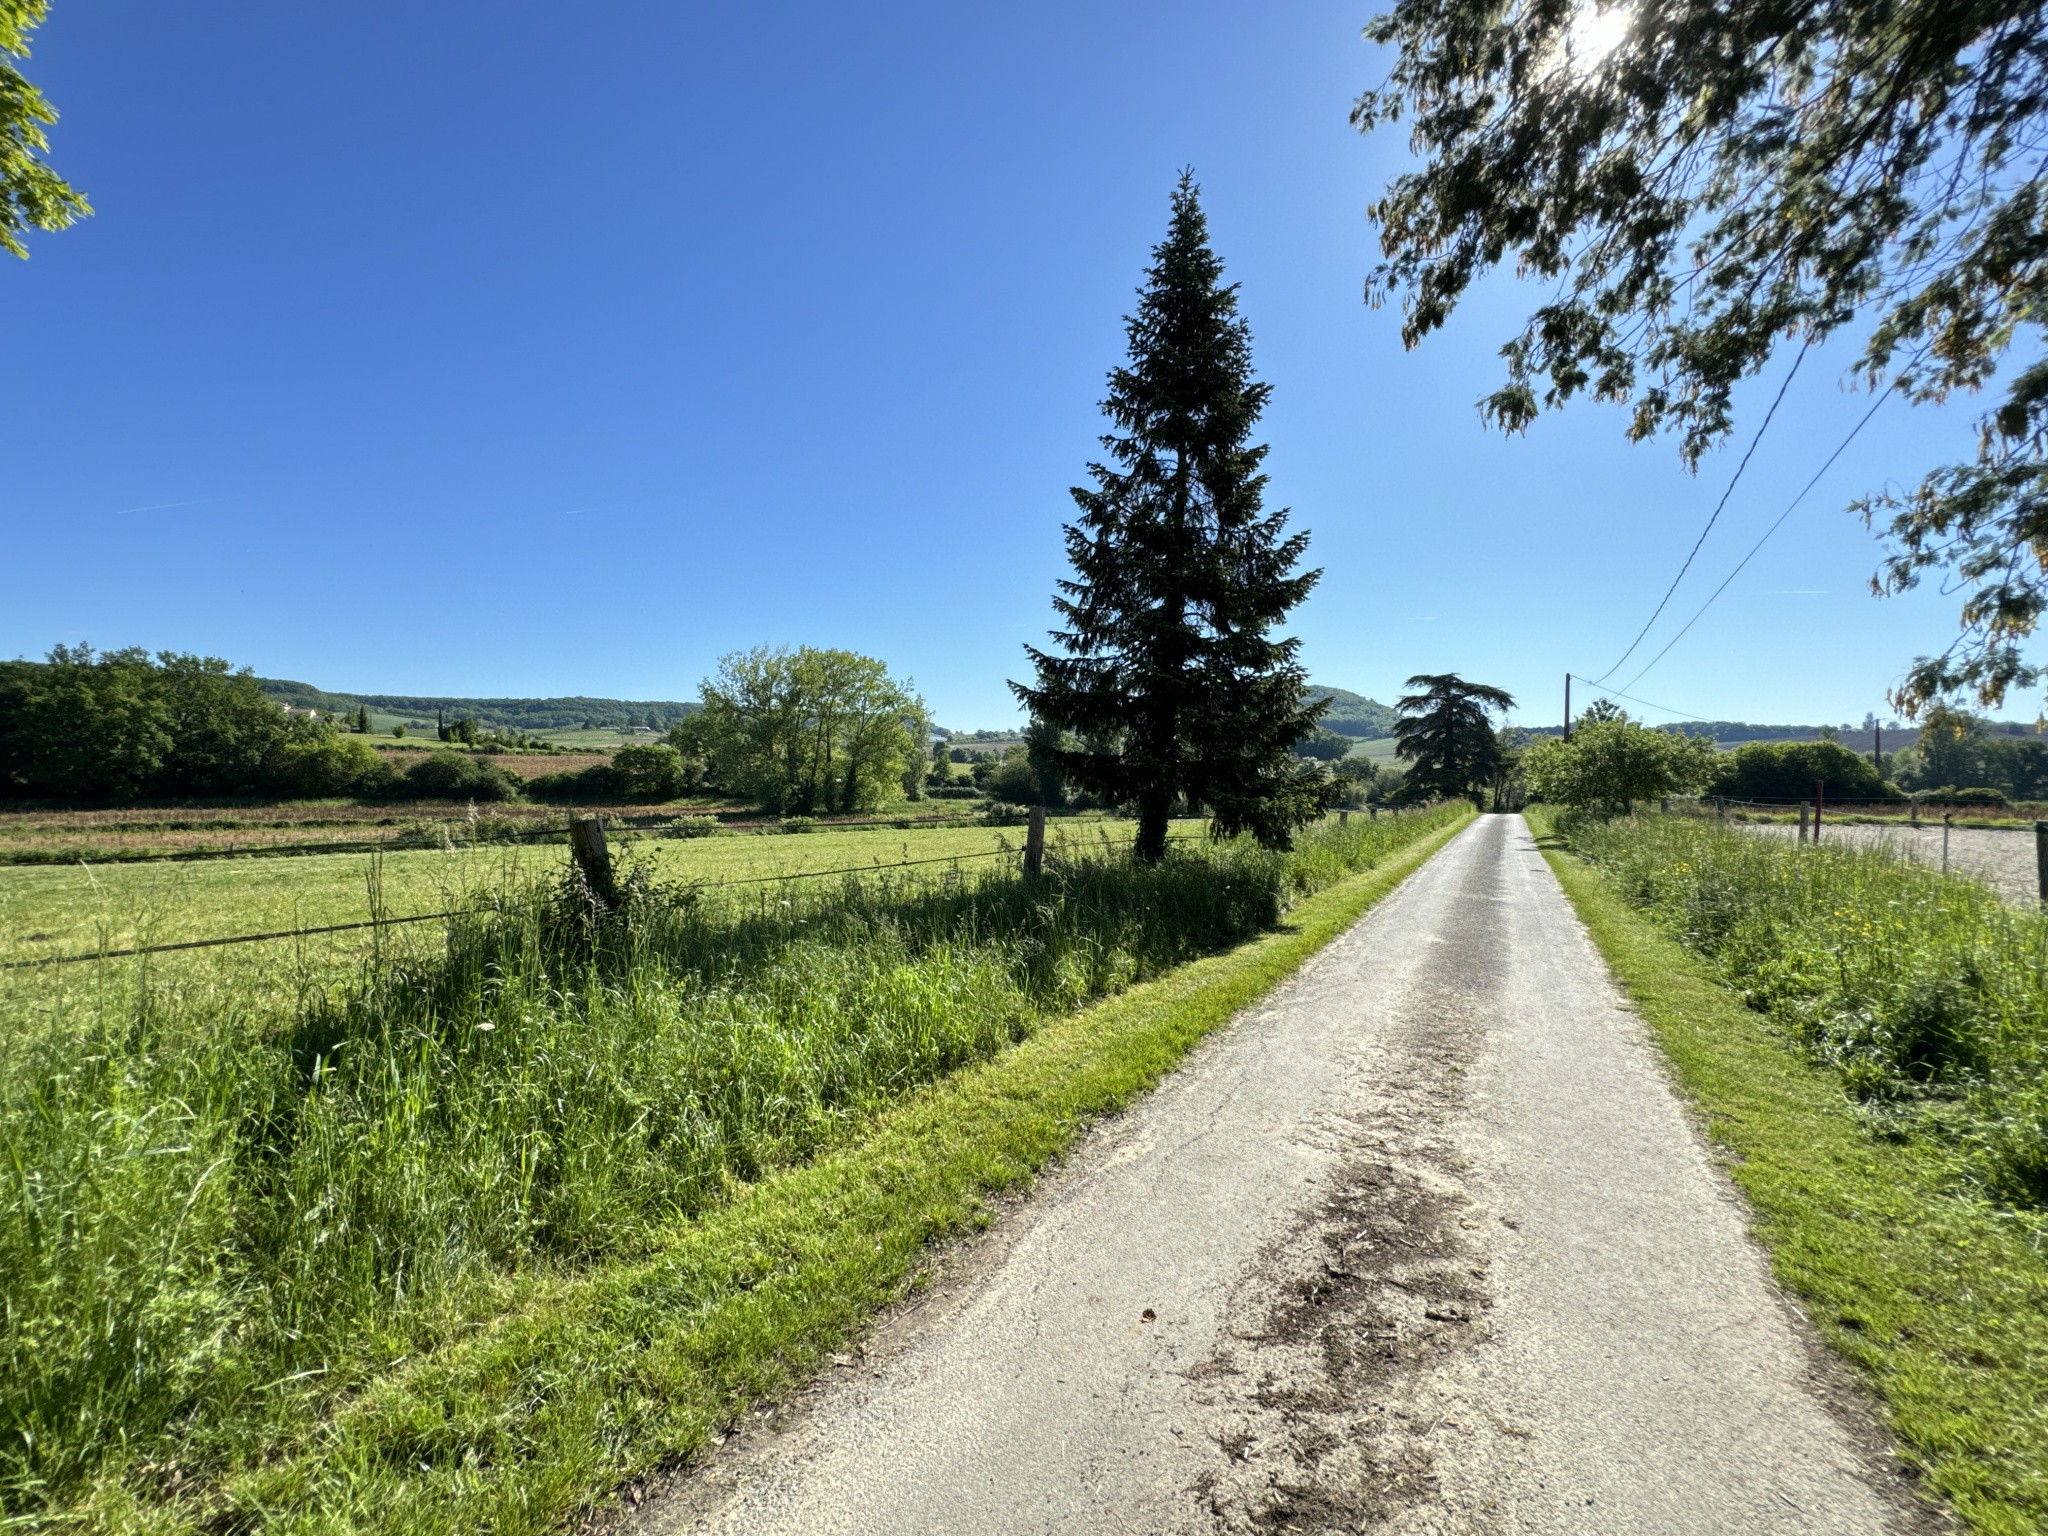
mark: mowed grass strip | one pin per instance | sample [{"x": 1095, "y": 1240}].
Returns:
[
  {"x": 603, "y": 1377},
  {"x": 1938, "y": 1298}
]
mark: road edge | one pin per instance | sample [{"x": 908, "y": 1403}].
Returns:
[{"x": 1867, "y": 1236}]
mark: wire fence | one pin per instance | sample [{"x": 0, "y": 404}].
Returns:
[
  {"x": 427, "y": 917},
  {"x": 489, "y": 832},
  {"x": 1890, "y": 810}
]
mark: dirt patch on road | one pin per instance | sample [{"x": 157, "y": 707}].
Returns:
[{"x": 1321, "y": 1409}]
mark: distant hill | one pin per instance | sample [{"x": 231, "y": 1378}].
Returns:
[
  {"x": 1353, "y": 714},
  {"x": 566, "y": 714}
]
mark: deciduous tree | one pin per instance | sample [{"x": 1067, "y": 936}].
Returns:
[
  {"x": 1613, "y": 762},
  {"x": 806, "y": 730},
  {"x": 32, "y": 196},
  {"x": 1698, "y": 185}
]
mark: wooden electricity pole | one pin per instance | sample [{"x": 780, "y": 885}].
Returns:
[{"x": 1567, "y": 706}]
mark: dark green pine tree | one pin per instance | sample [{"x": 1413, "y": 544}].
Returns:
[
  {"x": 1445, "y": 734},
  {"x": 1170, "y": 674}
]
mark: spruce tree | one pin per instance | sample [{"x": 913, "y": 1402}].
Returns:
[{"x": 1169, "y": 673}]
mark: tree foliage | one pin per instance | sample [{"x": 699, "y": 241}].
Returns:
[
  {"x": 1167, "y": 669},
  {"x": 1726, "y": 178},
  {"x": 1612, "y": 762},
  {"x": 804, "y": 731},
  {"x": 1444, "y": 733},
  {"x": 32, "y": 196},
  {"x": 1957, "y": 751},
  {"x": 1787, "y": 771},
  {"x": 1325, "y": 746},
  {"x": 118, "y": 726}
]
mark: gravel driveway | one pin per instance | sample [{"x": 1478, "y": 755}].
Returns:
[
  {"x": 2003, "y": 860},
  {"x": 1422, "y": 1244}
]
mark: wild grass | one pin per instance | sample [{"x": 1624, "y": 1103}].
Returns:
[
  {"x": 222, "y": 1218},
  {"x": 1879, "y": 1213},
  {"x": 1925, "y": 994}
]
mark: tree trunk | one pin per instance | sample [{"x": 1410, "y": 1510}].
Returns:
[{"x": 1152, "y": 811}]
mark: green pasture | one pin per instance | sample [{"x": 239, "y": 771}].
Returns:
[
  {"x": 1377, "y": 749},
  {"x": 70, "y": 908}
]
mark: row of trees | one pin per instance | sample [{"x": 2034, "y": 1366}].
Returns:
[
  {"x": 120, "y": 726},
  {"x": 1957, "y": 750}
]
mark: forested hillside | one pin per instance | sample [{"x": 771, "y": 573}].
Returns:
[{"x": 563, "y": 714}]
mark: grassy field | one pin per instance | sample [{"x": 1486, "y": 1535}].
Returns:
[
  {"x": 136, "y": 832},
  {"x": 244, "y": 1200},
  {"x": 61, "y": 909},
  {"x": 1864, "y": 1039}
]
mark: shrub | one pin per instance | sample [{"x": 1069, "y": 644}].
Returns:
[
  {"x": 575, "y": 786},
  {"x": 796, "y": 824},
  {"x": 328, "y": 764},
  {"x": 648, "y": 772},
  {"x": 1976, "y": 794},
  {"x": 457, "y": 776},
  {"x": 1788, "y": 770}
]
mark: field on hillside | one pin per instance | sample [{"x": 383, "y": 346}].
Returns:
[{"x": 1378, "y": 749}]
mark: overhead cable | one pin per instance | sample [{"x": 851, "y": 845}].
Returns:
[{"x": 1733, "y": 481}]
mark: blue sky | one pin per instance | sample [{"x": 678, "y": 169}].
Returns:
[{"x": 503, "y": 349}]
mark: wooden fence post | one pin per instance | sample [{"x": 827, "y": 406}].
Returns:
[
  {"x": 593, "y": 858},
  {"x": 1948, "y": 820},
  {"x": 1343, "y": 818},
  {"x": 2041, "y": 859},
  {"x": 1803, "y": 808},
  {"x": 1034, "y": 843}
]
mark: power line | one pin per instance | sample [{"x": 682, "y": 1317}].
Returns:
[
  {"x": 1683, "y": 714},
  {"x": 1840, "y": 449},
  {"x": 1733, "y": 481}
]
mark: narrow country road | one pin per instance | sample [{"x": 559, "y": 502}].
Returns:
[{"x": 1423, "y": 1244}]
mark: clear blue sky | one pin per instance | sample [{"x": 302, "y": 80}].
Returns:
[{"x": 513, "y": 349}]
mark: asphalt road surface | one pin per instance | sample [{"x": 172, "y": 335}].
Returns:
[{"x": 1422, "y": 1244}]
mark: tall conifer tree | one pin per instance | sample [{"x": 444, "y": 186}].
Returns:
[{"x": 1170, "y": 674}]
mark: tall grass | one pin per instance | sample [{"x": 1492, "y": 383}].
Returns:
[
  {"x": 1927, "y": 994},
  {"x": 218, "y": 1217}
]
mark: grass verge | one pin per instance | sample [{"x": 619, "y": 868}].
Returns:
[
  {"x": 1936, "y": 1295},
  {"x": 601, "y": 1375}
]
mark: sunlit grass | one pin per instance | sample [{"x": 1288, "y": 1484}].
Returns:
[
  {"x": 1881, "y": 1212},
  {"x": 237, "y": 1201}
]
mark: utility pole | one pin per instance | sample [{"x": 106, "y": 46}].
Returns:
[
  {"x": 1877, "y": 748},
  {"x": 1567, "y": 706}
]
